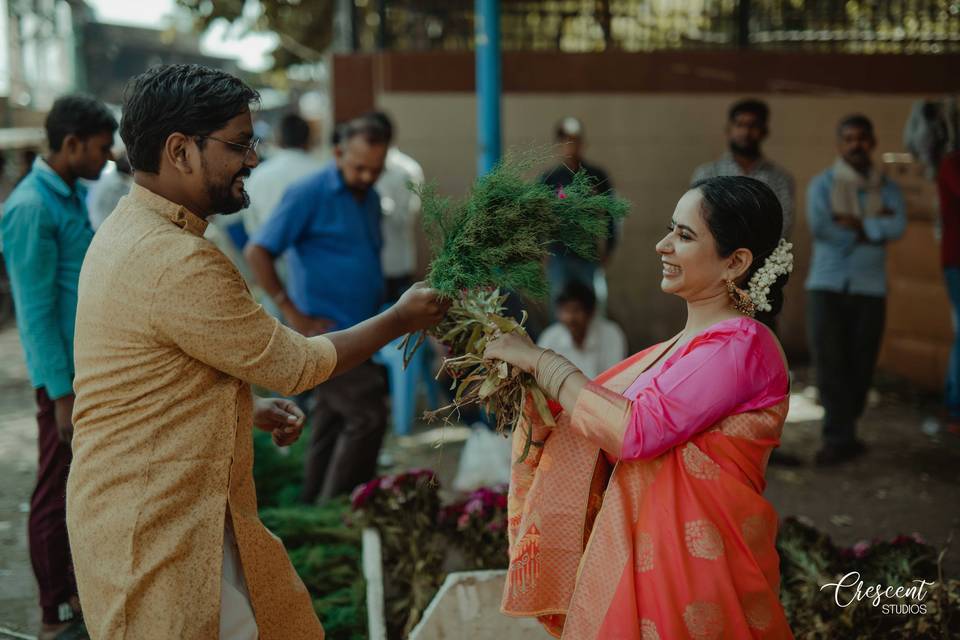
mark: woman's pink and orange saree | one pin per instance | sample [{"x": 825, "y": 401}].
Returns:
[{"x": 676, "y": 542}]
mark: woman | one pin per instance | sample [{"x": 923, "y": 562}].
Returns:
[{"x": 641, "y": 515}]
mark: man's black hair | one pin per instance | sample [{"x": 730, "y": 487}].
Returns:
[
  {"x": 79, "y": 115},
  {"x": 384, "y": 120},
  {"x": 754, "y": 107},
  {"x": 857, "y": 121},
  {"x": 294, "y": 132},
  {"x": 371, "y": 129},
  {"x": 179, "y": 98},
  {"x": 578, "y": 292}
]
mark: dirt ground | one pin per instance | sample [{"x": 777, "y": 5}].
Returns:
[{"x": 908, "y": 482}]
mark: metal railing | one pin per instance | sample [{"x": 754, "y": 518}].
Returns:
[{"x": 851, "y": 26}]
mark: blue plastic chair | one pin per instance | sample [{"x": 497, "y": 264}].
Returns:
[{"x": 404, "y": 383}]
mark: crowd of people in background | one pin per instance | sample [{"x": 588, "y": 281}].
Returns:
[{"x": 327, "y": 245}]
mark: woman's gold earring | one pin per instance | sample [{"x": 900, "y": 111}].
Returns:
[{"x": 741, "y": 300}]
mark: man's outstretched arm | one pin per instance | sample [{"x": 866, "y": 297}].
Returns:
[{"x": 418, "y": 308}]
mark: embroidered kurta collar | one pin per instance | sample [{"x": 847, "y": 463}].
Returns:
[{"x": 175, "y": 213}]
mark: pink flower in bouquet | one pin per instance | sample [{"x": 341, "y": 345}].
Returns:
[
  {"x": 463, "y": 521},
  {"x": 861, "y": 549},
  {"x": 363, "y": 492},
  {"x": 387, "y": 482},
  {"x": 475, "y": 505}
]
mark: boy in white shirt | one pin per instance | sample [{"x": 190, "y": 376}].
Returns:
[{"x": 591, "y": 342}]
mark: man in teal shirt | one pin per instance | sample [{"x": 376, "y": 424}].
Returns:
[{"x": 45, "y": 232}]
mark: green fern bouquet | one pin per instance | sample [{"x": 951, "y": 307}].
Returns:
[{"x": 494, "y": 240}]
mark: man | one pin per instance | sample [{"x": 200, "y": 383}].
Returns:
[
  {"x": 329, "y": 226},
  {"x": 265, "y": 186},
  {"x": 853, "y": 211},
  {"x": 289, "y": 164},
  {"x": 107, "y": 191},
  {"x": 400, "y": 206},
  {"x": 46, "y": 231},
  {"x": 746, "y": 129},
  {"x": 948, "y": 181},
  {"x": 162, "y": 506},
  {"x": 564, "y": 266},
  {"x": 591, "y": 342}
]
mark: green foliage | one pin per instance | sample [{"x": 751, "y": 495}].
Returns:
[
  {"x": 326, "y": 554},
  {"x": 809, "y": 559},
  {"x": 277, "y": 473},
  {"x": 305, "y": 27},
  {"x": 500, "y": 234},
  {"x": 323, "y": 548}
]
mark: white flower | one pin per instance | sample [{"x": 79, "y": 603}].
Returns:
[{"x": 778, "y": 263}]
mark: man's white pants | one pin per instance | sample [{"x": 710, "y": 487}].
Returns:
[{"x": 236, "y": 615}]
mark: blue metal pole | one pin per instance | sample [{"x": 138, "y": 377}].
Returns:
[{"x": 487, "y": 33}]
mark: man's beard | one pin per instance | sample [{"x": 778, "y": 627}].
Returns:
[
  {"x": 857, "y": 159},
  {"x": 221, "y": 196},
  {"x": 747, "y": 151}
]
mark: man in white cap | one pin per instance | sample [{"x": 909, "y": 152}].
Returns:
[{"x": 563, "y": 266}]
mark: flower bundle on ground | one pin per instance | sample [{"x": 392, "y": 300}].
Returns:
[
  {"x": 403, "y": 509},
  {"x": 809, "y": 560},
  {"x": 477, "y": 527},
  {"x": 497, "y": 240}
]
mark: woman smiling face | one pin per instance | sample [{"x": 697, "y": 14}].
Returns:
[{"x": 692, "y": 267}]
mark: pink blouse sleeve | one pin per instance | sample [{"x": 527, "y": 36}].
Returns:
[{"x": 724, "y": 371}]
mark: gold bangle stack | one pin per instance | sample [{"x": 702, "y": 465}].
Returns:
[{"x": 552, "y": 371}]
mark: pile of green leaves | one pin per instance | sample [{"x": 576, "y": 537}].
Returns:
[
  {"x": 323, "y": 548},
  {"x": 326, "y": 554},
  {"x": 277, "y": 473},
  {"x": 497, "y": 239}
]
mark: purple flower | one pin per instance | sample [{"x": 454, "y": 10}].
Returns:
[{"x": 475, "y": 505}]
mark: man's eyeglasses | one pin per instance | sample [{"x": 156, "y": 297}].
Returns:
[{"x": 247, "y": 148}]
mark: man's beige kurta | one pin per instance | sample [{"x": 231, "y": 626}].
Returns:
[{"x": 168, "y": 342}]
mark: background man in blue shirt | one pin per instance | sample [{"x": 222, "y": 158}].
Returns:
[
  {"x": 328, "y": 225},
  {"x": 46, "y": 231},
  {"x": 853, "y": 211}
]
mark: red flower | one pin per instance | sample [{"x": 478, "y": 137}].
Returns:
[{"x": 362, "y": 493}]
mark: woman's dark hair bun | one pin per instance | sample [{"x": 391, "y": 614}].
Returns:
[{"x": 743, "y": 212}]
